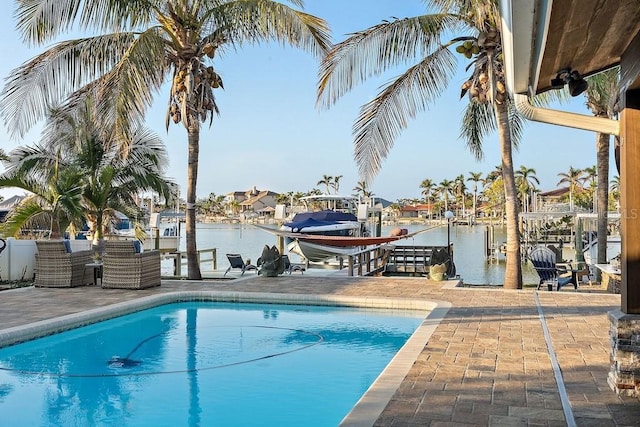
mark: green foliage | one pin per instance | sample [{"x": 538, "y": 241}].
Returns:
[{"x": 74, "y": 175}]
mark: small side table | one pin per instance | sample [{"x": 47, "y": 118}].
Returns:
[{"x": 96, "y": 266}]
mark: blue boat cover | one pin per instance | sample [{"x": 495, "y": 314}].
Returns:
[{"x": 313, "y": 219}]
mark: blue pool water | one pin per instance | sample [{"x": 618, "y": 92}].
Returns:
[{"x": 203, "y": 364}]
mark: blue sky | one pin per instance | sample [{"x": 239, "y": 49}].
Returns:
[{"x": 271, "y": 135}]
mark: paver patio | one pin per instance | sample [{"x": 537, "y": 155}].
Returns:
[{"x": 487, "y": 363}]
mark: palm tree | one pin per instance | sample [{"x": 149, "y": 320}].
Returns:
[
  {"x": 427, "y": 186},
  {"x": 326, "y": 180},
  {"x": 615, "y": 189},
  {"x": 336, "y": 183},
  {"x": 446, "y": 188},
  {"x": 603, "y": 101},
  {"x": 153, "y": 41},
  {"x": 372, "y": 51},
  {"x": 573, "y": 178},
  {"x": 460, "y": 189},
  {"x": 591, "y": 178},
  {"x": 54, "y": 202},
  {"x": 526, "y": 181},
  {"x": 107, "y": 182},
  {"x": 475, "y": 177},
  {"x": 361, "y": 190}
]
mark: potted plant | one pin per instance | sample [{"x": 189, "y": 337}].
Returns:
[{"x": 439, "y": 264}]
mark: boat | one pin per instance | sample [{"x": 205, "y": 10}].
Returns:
[
  {"x": 590, "y": 248},
  {"x": 339, "y": 226},
  {"x": 325, "y": 222},
  {"x": 326, "y": 215},
  {"x": 163, "y": 231}
]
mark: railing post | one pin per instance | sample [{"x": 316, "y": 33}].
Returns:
[
  {"x": 350, "y": 264},
  {"x": 368, "y": 261},
  {"x": 178, "y": 264}
]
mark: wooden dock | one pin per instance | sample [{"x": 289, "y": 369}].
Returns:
[{"x": 391, "y": 259}]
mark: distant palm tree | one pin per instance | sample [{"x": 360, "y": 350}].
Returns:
[
  {"x": 152, "y": 41},
  {"x": 591, "y": 178},
  {"x": 336, "y": 183},
  {"x": 427, "y": 186},
  {"x": 446, "y": 188},
  {"x": 326, "y": 180},
  {"x": 361, "y": 189},
  {"x": 615, "y": 188},
  {"x": 495, "y": 174},
  {"x": 475, "y": 177},
  {"x": 475, "y": 27},
  {"x": 573, "y": 178},
  {"x": 460, "y": 189},
  {"x": 603, "y": 101},
  {"x": 526, "y": 181},
  {"x": 284, "y": 198}
]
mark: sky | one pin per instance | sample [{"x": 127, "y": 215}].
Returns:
[{"x": 272, "y": 136}]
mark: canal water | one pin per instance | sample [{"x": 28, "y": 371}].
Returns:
[{"x": 468, "y": 243}]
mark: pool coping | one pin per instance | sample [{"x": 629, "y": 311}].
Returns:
[{"x": 367, "y": 409}]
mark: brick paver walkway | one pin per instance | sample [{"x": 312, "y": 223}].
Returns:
[{"x": 487, "y": 362}]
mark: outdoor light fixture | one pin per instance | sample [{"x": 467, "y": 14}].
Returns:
[
  {"x": 572, "y": 79},
  {"x": 448, "y": 215}
]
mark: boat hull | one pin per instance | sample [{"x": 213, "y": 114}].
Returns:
[{"x": 315, "y": 252}]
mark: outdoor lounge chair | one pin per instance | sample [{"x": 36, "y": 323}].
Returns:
[
  {"x": 289, "y": 267},
  {"x": 544, "y": 261},
  {"x": 236, "y": 261},
  {"x": 57, "y": 267},
  {"x": 126, "y": 267}
]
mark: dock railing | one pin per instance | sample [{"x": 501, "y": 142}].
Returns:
[
  {"x": 399, "y": 259},
  {"x": 367, "y": 262},
  {"x": 177, "y": 258},
  {"x": 411, "y": 259}
]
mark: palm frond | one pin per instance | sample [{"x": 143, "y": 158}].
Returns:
[
  {"x": 27, "y": 214},
  {"x": 40, "y": 21},
  {"x": 516, "y": 123},
  {"x": 254, "y": 21},
  {"x": 382, "y": 119},
  {"x": 37, "y": 85},
  {"x": 372, "y": 51},
  {"x": 478, "y": 121}
]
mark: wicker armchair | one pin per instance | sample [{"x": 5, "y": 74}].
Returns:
[
  {"x": 58, "y": 267},
  {"x": 124, "y": 268}
]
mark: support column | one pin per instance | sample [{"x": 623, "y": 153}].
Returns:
[
  {"x": 624, "y": 375},
  {"x": 630, "y": 201}
]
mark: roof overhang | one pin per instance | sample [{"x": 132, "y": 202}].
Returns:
[{"x": 542, "y": 37}]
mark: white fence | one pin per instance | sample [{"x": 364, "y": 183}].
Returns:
[{"x": 17, "y": 260}]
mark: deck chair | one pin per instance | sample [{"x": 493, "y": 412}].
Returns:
[
  {"x": 544, "y": 261},
  {"x": 289, "y": 267},
  {"x": 126, "y": 266},
  {"x": 58, "y": 267},
  {"x": 236, "y": 261}
]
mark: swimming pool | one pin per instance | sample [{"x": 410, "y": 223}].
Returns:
[{"x": 204, "y": 364}]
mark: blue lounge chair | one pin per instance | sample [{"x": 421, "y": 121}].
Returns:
[
  {"x": 289, "y": 267},
  {"x": 544, "y": 261},
  {"x": 236, "y": 261}
]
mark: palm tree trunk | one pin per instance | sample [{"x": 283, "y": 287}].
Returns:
[
  {"x": 513, "y": 270},
  {"x": 602, "y": 150},
  {"x": 193, "y": 267}
]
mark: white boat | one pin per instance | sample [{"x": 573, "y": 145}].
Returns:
[
  {"x": 590, "y": 249},
  {"x": 161, "y": 235},
  {"x": 326, "y": 215}
]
